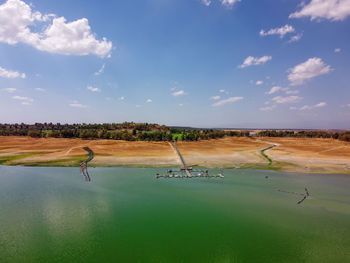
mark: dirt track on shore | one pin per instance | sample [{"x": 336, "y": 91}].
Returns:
[{"x": 290, "y": 154}]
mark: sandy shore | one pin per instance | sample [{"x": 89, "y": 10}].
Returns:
[{"x": 290, "y": 154}]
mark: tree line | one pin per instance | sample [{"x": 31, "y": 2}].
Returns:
[{"x": 131, "y": 131}]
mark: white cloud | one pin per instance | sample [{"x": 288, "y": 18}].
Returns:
[
  {"x": 337, "y": 50},
  {"x": 281, "y": 31},
  {"x": 319, "y": 105},
  {"x": 24, "y": 100},
  {"x": 259, "y": 82},
  {"x": 92, "y": 89},
  {"x": 10, "y": 90},
  {"x": 178, "y": 93},
  {"x": 222, "y": 91},
  {"x": 72, "y": 38},
  {"x": 4, "y": 73},
  {"x": 76, "y": 104},
  {"x": 229, "y": 3},
  {"x": 268, "y": 108},
  {"x": 286, "y": 100},
  {"x": 295, "y": 38},
  {"x": 225, "y": 101},
  {"x": 180, "y": 104},
  {"x": 206, "y": 2},
  {"x": 40, "y": 89},
  {"x": 334, "y": 10},
  {"x": 138, "y": 106},
  {"x": 252, "y": 61},
  {"x": 215, "y": 97},
  {"x": 290, "y": 92},
  {"x": 100, "y": 71},
  {"x": 122, "y": 98},
  {"x": 309, "y": 69},
  {"x": 148, "y": 101},
  {"x": 274, "y": 90}
]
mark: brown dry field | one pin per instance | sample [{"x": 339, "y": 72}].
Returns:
[{"x": 290, "y": 154}]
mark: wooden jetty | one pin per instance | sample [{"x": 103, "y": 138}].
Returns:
[
  {"x": 83, "y": 165},
  {"x": 186, "y": 171}
]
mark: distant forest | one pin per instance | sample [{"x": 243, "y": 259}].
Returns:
[{"x": 131, "y": 131}]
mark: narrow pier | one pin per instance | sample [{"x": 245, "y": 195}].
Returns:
[
  {"x": 186, "y": 171},
  {"x": 83, "y": 165}
]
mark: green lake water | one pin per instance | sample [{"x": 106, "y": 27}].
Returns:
[{"x": 127, "y": 215}]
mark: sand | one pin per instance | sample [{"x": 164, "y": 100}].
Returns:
[{"x": 302, "y": 155}]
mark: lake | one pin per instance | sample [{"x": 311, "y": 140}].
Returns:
[{"x": 127, "y": 215}]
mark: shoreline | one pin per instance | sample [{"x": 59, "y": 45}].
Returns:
[
  {"x": 171, "y": 167},
  {"x": 295, "y": 155}
]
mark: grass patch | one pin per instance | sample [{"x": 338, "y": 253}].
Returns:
[
  {"x": 9, "y": 159},
  {"x": 264, "y": 154}
]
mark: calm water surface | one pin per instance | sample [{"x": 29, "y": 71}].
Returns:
[{"x": 126, "y": 215}]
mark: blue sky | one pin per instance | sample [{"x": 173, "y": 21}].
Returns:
[{"x": 218, "y": 63}]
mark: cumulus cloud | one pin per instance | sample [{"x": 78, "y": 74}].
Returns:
[
  {"x": 206, "y": 2},
  {"x": 24, "y": 100},
  {"x": 76, "y": 104},
  {"x": 178, "y": 93},
  {"x": 274, "y": 90},
  {"x": 9, "y": 74},
  {"x": 225, "y": 101},
  {"x": 281, "y": 31},
  {"x": 337, "y": 50},
  {"x": 319, "y": 105},
  {"x": 286, "y": 100},
  {"x": 10, "y": 90},
  {"x": 259, "y": 82},
  {"x": 59, "y": 36},
  {"x": 295, "y": 38},
  {"x": 222, "y": 91},
  {"x": 268, "y": 108},
  {"x": 148, "y": 100},
  {"x": 252, "y": 61},
  {"x": 333, "y": 10},
  {"x": 229, "y": 3},
  {"x": 289, "y": 91},
  {"x": 92, "y": 89},
  {"x": 215, "y": 97},
  {"x": 122, "y": 98},
  {"x": 40, "y": 89},
  {"x": 309, "y": 69}
]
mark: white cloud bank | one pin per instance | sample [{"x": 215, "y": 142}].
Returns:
[
  {"x": 60, "y": 36},
  {"x": 92, "y": 89},
  {"x": 319, "y": 105},
  {"x": 178, "y": 93},
  {"x": 286, "y": 100},
  {"x": 206, "y": 2},
  {"x": 9, "y": 74},
  {"x": 309, "y": 69},
  {"x": 10, "y": 90},
  {"x": 215, "y": 97},
  {"x": 24, "y": 100},
  {"x": 229, "y": 3},
  {"x": 225, "y": 101},
  {"x": 76, "y": 104},
  {"x": 334, "y": 10},
  {"x": 274, "y": 90},
  {"x": 252, "y": 61},
  {"x": 281, "y": 31}
]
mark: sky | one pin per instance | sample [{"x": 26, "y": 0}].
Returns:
[{"x": 199, "y": 63}]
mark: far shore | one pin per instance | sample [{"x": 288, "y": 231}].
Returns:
[{"x": 298, "y": 155}]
